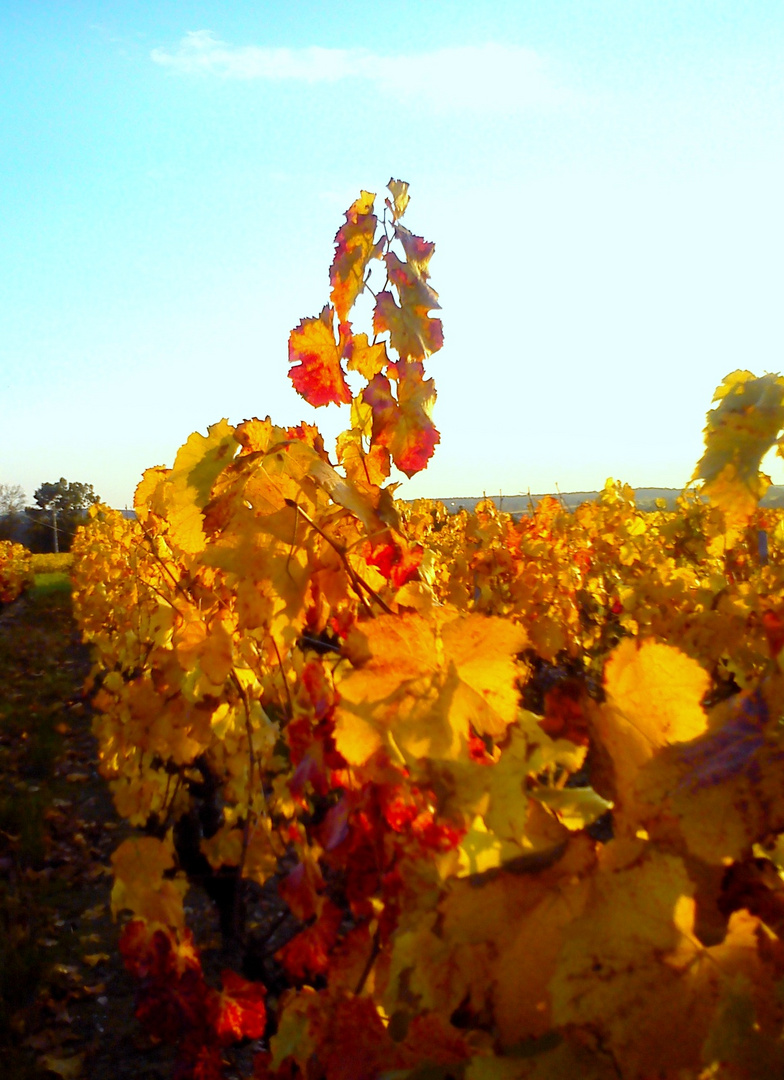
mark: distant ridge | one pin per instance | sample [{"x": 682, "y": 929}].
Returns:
[{"x": 645, "y": 499}]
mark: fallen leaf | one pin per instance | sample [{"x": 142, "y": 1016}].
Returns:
[
  {"x": 67, "y": 1067},
  {"x": 93, "y": 959}
]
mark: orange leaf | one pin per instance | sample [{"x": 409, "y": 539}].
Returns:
[
  {"x": 315, "y": 356},
  {"x": 354, "y": 248},
  {"x": 404, "y": 425}
]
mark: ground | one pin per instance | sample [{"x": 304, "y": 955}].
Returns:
[{"x": 66, "y": 1002}]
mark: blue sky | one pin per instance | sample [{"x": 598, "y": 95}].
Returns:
[{"x": 603, "y": 183}]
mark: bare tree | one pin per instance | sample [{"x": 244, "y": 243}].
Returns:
[
  {"x": 12, "y": 499},
  {"x": 12, "y": 504}
]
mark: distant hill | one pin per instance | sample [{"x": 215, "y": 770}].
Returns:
[{"x": 644, "y": 497}]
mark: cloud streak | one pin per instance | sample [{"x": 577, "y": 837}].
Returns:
[{"x": 506, "y": 77}]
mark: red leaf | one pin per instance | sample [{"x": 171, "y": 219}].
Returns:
[
  {"x": 432, "y": 1039},
  {"x": 300, "y": 888},
  {"x": 310, "y": 434},
  {"x": 404, "y": 426},
  {"x": 308, "y": 952},
  {"x": 360, "y": 1047},
  {"x": 315, "y": 356},
  {"x": 156, "y": 953},
  {"x": 773, "y": 624},
  {"x": 240, "y": 1011},
  {"x": 396, "y": 562},
  {"x": 564, "y": 717},
  {"x": 171, "y": 1009},
  {"x": 198, "y": 1060}
]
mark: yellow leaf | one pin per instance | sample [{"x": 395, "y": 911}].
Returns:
[
  {"x": 522, "y": 917},
  {"x": 398, "y": 189},
  {"x": 140, "y": 863},
  {"x": 367, "y": 359},
  {"x": 741, "y": 429},
  {"x": 722, "y": 791},
  {"x": 483, "y": 650},
  {"x": 68, "y": 1068},
  {"x": 93, "y": 959},
  {"x": 654, "y": 695},
  {"x": 575, "y": 807},
  {"x": 632, "y": 971},
  {"x": 188, "y": 486},
  {"x": 416, "y": 689}
]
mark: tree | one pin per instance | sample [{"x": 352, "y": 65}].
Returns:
[
  {"x": 12, "y": 504},
  {"x": 62, "y": 507}
]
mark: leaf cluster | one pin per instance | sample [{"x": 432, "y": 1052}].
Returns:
[
  {"x": 513, "y": 785},
  {"x": 16, "y": 571}
]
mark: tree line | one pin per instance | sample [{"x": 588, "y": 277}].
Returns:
[{"x": 48, "y": 525}]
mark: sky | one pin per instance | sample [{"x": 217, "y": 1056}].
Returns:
[{"x": 603, "y": 181}]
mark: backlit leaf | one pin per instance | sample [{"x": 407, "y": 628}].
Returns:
[
  {"x": 412, "y": 332},
  {"x": 744, "y": 425},
  {"x": 403, "y": 425},
  {"x": 240, "y": 1009},
  {"x": 354, "y": 247},
  {"x": 315, "y": 358},
  {"x": 398, "y": 189},
  {"x": 654, "y": 695}
]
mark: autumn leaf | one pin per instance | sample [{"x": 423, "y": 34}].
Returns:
[
  {"x": 418, "y": 251},
  {"x": 354, "y": 248},
  {"x": 371, "y": 466},
  {"x": 654, "y": 694},
  {"x": 369, "y": 360},
  {"x": 412, "y": 287},
  {"x": 412, "y": 332},
  {"x": 419, "y": 689},
  {"x": 744, "y": 425},
  {"x": 403, "y": 425},
  {"x": 240, "y": 1011},
  {"x": 67, "y": 1068},
  {"x": 398, "y": 563},
  {"x": 720, "y": 792},
  {"x": 139, "y": 864},
  {"x": 307, "y": 953},
  {"x": 632, "y": 969},
  {"x": 182, "y": 493},
  {"x": 398, "y": 204},
  {"x": 315, "y": 358}
]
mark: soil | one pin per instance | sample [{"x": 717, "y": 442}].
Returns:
[{"x": 67, "y": 1002}]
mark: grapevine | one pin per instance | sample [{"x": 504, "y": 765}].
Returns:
[
  {"x": 16, "y": 570},
  {"x": 513, "y": 785}
]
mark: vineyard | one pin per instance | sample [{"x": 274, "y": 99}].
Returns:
[{"x": 469, "y": 795}]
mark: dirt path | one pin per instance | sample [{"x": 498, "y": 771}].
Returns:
[{"x": 66, "y": 1002}]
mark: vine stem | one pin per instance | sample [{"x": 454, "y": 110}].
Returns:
[{"x": 374, "y": 951}]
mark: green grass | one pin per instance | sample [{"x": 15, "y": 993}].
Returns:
[{"x": 49, "y": 584}]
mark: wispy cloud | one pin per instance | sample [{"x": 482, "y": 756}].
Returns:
[{"x": 508, "y": 77}]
